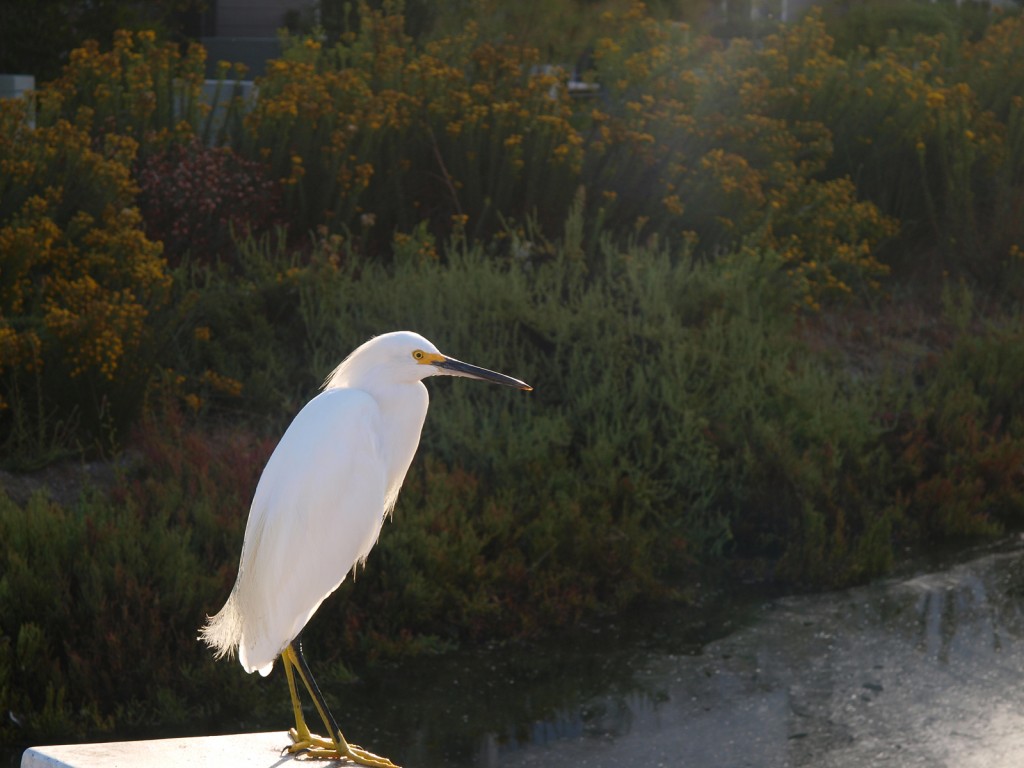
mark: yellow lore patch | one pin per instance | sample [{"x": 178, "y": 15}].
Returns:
[{"x": 427, "y": 358}]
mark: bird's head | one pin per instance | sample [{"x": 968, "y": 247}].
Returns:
[{"x": 404, "y": 356}]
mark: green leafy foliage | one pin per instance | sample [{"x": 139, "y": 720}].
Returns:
[
  {"x": 678, "y": 424},
  {"x": 101, "y": 600}
]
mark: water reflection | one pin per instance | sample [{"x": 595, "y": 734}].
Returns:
[{"x": 921, "y": 671}]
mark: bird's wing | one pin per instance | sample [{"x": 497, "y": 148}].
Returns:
[{"x": 317, "y": 511}]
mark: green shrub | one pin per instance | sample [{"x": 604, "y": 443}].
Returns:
[
  {"x": 668, "y": 399},
  {"x": 100, "y": 601},
  {"x": 679, "y": 428},
  {"x": 962, "y": 445},
  {"x": 232, "y": 337}
]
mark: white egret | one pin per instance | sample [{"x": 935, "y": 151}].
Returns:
[{"x": 319, "y": 507}]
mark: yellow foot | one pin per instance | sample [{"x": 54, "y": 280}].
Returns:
[
  {"x": 308, "y": 741},
  {"x": 325, "y": 749}
]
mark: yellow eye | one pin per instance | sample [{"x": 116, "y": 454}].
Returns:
[{"x": 418, "y": 354}]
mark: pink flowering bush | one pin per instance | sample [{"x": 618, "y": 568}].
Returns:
[{"x": 193, "y": 197}]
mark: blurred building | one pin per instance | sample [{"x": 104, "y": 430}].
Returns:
[
  {"x": 257, "y": 18},
  {"x": 246, "y": 31}
]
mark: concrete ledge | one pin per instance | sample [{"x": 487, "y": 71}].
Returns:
[{"x": 242, "y": 750}]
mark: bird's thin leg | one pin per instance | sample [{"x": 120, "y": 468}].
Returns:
[
  {"x": 301, "y": 737},
  {"x": 339, "y": 747}
]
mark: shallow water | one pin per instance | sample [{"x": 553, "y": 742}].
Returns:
[
  {"x": 925, "y": 670},
  {"x": 920, "y": 670}
]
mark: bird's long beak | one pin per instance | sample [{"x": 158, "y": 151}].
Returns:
[{"x": 454, "y": 367}]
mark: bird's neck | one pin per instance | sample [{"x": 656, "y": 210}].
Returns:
[{"x": 403, "y": 409}]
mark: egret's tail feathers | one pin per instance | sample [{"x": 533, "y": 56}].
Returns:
[{"x": 223, "y": 632}]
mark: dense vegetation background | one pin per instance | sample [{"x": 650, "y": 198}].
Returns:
[{"x": 767, "y": 289}]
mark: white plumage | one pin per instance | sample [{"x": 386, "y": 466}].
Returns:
[{"x": 322, "y": 499}]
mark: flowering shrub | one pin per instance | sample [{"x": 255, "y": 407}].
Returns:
[
  {"x": 192, "y": 196},
  {"x": 78, "y": 276},
  {"x": 140, "y": 88},
  {"x": 689, "y": 142},
  {"x": 378, "y": 132},
  {"x": 931, "y": 133},
  {"x": 711, "y": 133},
  {"x": 781, "y": 145}
]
